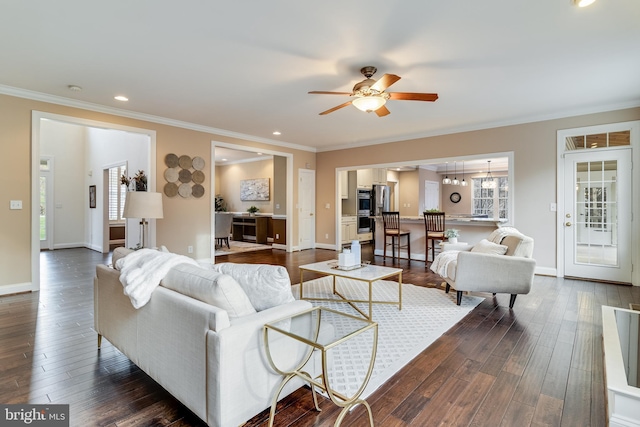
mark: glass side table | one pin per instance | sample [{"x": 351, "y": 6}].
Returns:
[{"x": 305, "y": 329}]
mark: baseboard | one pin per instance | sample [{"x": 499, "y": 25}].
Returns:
[
  {"x": 17, "y": 288},
  {"x": 330, "y": 246},
  {"x": 403, "y": 254},
  {"x": 546, "y": 271},
  {"x": 72, "y": 246},
  {"x": 279, "y": 246}
]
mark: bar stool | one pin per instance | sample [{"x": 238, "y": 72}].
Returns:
[
  {"x": 391, "y": 221},
  {"x": 434, "y": 230}
]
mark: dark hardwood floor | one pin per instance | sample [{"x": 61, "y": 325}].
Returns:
[{"x": 539, "y": 364}]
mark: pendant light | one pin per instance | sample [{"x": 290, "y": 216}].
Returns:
[
  {"x": 446, "y": 179},
  {"x": 463, "y": 183},
  {"x": 488, "y": 181},
  {"x": 455, "y": 175}
]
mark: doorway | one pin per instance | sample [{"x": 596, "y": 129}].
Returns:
[
  {"x": 307, "y": 198},
  {"x": 595, "y": 225},
  {"x": 45, "y": 206},
  {"x": 79, "y": 225}
]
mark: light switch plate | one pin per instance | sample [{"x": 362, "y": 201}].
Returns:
[{"x": 15, "y": 204}]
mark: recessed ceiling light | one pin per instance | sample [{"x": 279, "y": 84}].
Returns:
[
  {"x": 259, "y": 154},
  {"x": 275, "y": 132},
  {"x": 224, "y": 160},
  {"x": 582, "y": 3},
  {"x": 121, "y": 98},
  {"x": 75, "y": 88}
]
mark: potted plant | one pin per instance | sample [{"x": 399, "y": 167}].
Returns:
[
  {"x": 252, "y": 210},
  {"x": 452, "y": 235},
  {"x": 221, "y": 205}
]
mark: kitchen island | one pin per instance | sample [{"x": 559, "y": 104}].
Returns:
[{"x": 472, "y": 230}]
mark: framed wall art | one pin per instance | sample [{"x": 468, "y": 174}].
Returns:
[
  {"x": 92, "y": 196},
  {"x": 254, "y": 190}
]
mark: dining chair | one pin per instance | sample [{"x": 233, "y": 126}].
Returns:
[
  {"x": 391, "y": 222},
  {"x": 434, "y": 230}
]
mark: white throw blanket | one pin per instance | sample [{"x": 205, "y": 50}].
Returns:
[
  {"x": 441, "y": 263},
  {"x": 141, "y": 272}
]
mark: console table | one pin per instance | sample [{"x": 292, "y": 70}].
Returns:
[{"x": 252, "y": 228}]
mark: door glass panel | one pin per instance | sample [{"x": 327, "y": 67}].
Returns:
[
  {"x": 596, "y": 213},
  {"x": 617, "y": 139},
  {"x": 598, "y": 140},
  {"x": 43, "y": 208}
]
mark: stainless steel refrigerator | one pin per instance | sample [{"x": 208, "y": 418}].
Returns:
[{"x": 380, "y": 200}]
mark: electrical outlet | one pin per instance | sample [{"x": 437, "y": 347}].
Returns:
[
  {"x": 190, "y": 249},
  {"x": 277, "y": 236},
  {"x": 326, "y": 236},
  {"x": 15, "y": 204}
]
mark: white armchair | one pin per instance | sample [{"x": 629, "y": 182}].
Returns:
[{"x": 501, "y": 263}]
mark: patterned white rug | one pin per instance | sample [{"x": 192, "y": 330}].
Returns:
[{"x": 426, "y": 314}]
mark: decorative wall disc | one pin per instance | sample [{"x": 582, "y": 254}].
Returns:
[
  {"x": 184, "y": 175},
  {"x": 171, "y": 160},
  {"x": 198, "y": 163},
  {"x": 170, "y": 189},
  {"x": 181, "y": 172},
  {"x": 184, "y": 190},
  {"x": 197, "y": 191},
  {"x": 171, "y": 175},
  {"x": 185, "y": 162},
  {"x": 197, "y": 177}
]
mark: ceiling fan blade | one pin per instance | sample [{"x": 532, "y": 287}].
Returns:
[
  {"x": 331, "y": 110},
  {"x": 320, "y": 92},
  {"x": 406, "y": 96},
  {"x": 385, "y": 81},
  {"x": 383, "y": 111}
]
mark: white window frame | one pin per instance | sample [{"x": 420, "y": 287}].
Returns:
[{"x": 496, "y": 212}]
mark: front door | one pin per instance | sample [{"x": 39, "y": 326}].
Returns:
[{"x": 597, "y": 217}]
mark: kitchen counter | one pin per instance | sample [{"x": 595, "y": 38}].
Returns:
[{"x": 472, "y": 230}]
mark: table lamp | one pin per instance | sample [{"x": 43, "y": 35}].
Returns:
[{"x": 143, "y": 205}]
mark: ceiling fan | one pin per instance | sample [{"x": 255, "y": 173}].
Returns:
[{"x": 369, "y": 95}]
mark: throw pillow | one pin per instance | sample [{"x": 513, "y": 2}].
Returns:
[
  {"x": 487, "y": 247},
  {"x": 266, "y": 285},
  {"x": 209, "y": 286}
]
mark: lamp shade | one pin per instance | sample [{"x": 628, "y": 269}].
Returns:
[
  {"x": 368, "y": 103},
  {"x": 143, "y": 204}
]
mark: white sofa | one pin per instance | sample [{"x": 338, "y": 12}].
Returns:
[
  {"x": 210, "y": 358},
  {"x": 501, "y": 263}
]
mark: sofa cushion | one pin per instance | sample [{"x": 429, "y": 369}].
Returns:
[
  {"x": 209, "y": 286},
  {"x": 487, "y": 247},
  {"x": 266, "y": 285},
  {"x": 119, "y": 253}
]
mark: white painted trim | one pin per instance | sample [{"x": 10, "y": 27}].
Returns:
[
  {"x": 546, "y": 271},
  {"x": 17, "y": 288},
  {"x": 36, "y": 117}
]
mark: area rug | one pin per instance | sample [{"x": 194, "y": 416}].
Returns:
[
  {"x": 426, "y": 314},
  {"x": 239, "y": 247}
]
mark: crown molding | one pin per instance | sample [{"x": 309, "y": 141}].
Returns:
[
  {"x": 487, "y": 125},
  {"x": 68, "y": 102}
]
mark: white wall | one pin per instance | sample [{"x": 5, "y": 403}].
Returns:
[{"x": 66, "y": 144}]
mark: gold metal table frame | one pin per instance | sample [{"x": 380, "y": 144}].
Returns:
[
  {"x": 321, "y": 381},
  {"x": 373, "y": 274}
]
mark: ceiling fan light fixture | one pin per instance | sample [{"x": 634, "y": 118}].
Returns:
[
  {"x": 368, "y": 103},
  {"x": 582, "y": 3}
]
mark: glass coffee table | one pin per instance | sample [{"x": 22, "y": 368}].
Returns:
[
  {"x": 305, "y": 329},
  {"x": 366, "y": 273}
]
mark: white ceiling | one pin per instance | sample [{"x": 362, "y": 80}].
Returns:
[{"x": 245, "y": 67}]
